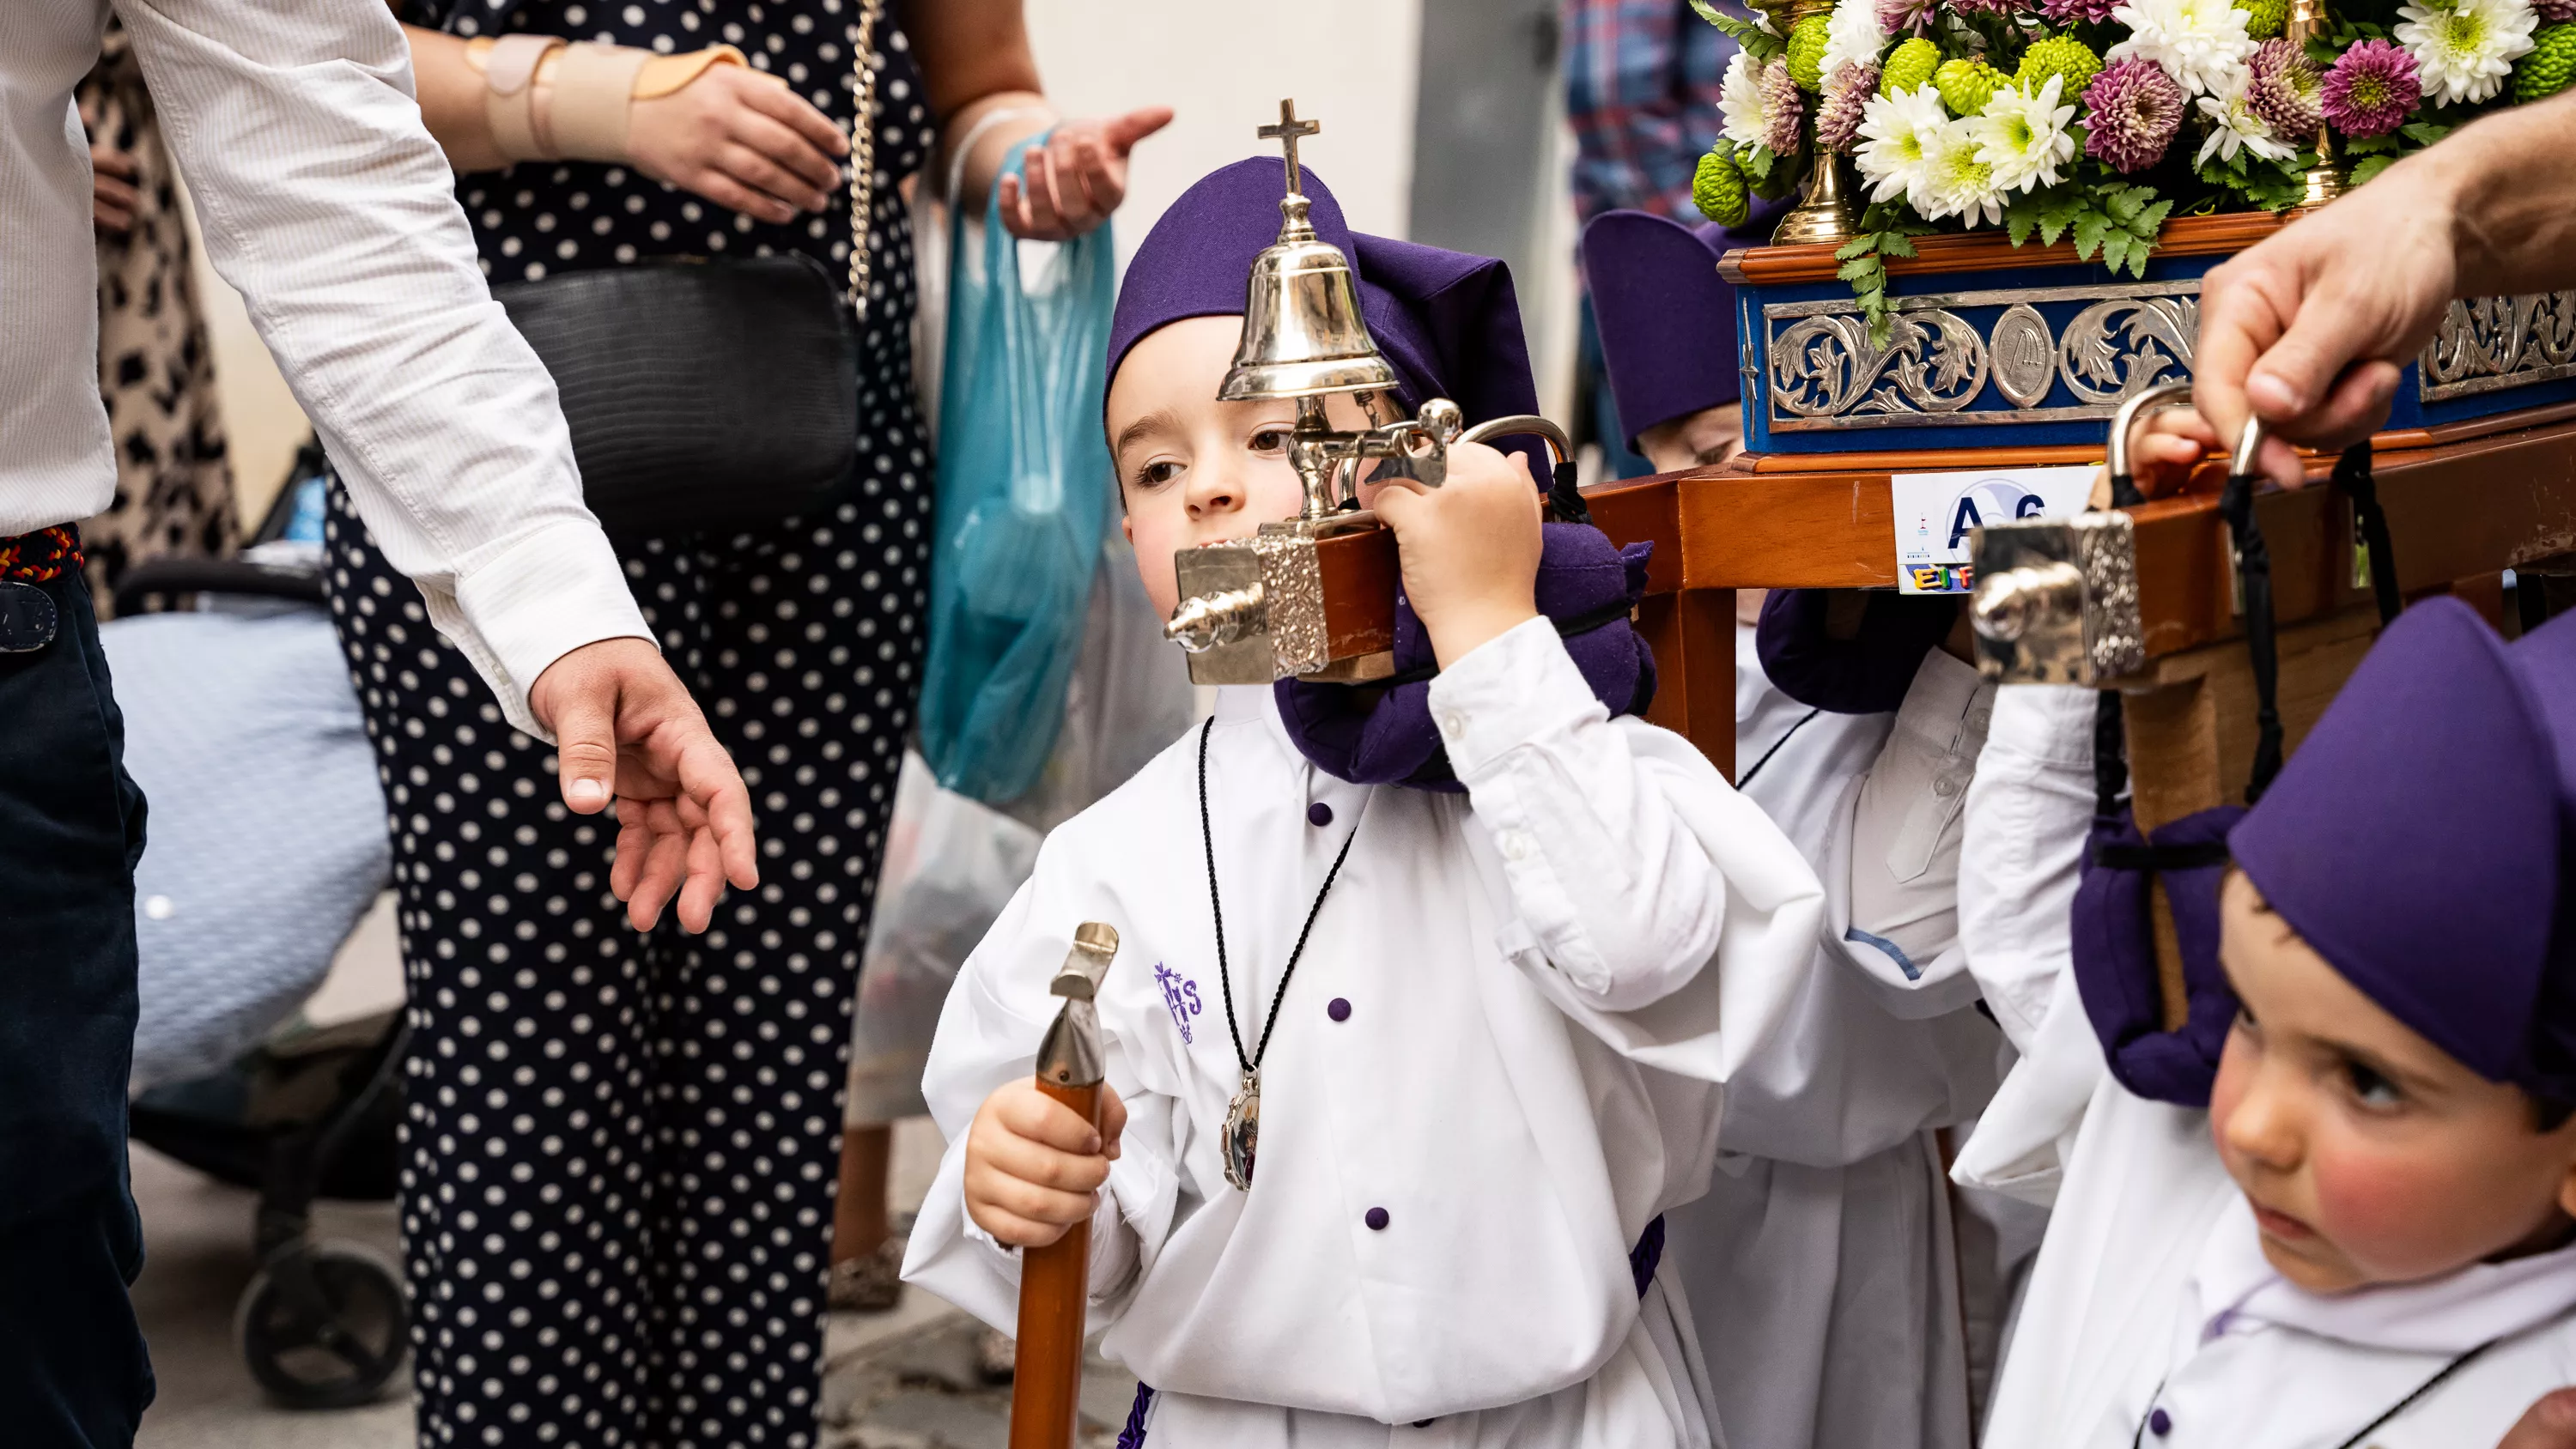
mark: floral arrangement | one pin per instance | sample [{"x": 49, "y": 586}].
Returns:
[{"x": 2100, "y": 118}]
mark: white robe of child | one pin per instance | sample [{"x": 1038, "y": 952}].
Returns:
[
  {"x": 2154, "y": 1320},
  {"x": 1494, "y": 1066},
  {"x": 1821, "y": 1266}
]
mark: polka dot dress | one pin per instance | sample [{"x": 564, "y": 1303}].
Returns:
[{"x": 621, "y": 1149}]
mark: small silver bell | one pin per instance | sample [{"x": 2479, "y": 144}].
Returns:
[{"x": 1302, "y": 332}]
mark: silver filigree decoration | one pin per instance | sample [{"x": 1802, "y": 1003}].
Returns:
[
  {"x": 1821, "y": 371},
  {"x": 2117, "y": 349},
  {"x": 2487, "y": 344},
  {"x": 1292, "y": 585},
  {"x": 1933, "y": 362},
  {"x": 2025, "y": 355}
]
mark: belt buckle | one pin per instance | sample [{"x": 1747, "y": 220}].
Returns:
[{"x": 27, "y": 618}]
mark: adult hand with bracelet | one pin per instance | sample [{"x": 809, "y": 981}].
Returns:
[
  {"x": 740, "y": 137},
  {"x": 704, "y": 121}
]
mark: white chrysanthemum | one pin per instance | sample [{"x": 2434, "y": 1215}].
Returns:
[
  {"x": 1853, "y": 36},
  {"x": 1961, "y": 184},
  {"x": 2466, "y": 48},
  {"x": 1747, "y": 118},
  {"x": 1896, "y": 133},
  {"x": 2198, "y": 42},
  {"x": 2233, "y": 126},
  {"x": 2024, "y": 137}
]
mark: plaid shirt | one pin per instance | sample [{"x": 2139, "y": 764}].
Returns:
[{"x": 1641, "y": 81}]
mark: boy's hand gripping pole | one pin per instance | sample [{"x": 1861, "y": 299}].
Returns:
[{"x": 1055, "y": 1289}]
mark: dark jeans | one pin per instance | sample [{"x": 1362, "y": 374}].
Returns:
[{"x": 72, "y": 1366}]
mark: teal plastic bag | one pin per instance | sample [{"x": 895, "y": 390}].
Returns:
[{"x": 1024, "y": 481}]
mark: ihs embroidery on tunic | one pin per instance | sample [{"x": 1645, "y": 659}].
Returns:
[{"x": 1180, "y": 996}]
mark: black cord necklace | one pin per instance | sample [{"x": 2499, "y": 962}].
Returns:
[{"x": 1243, "y": 1114}]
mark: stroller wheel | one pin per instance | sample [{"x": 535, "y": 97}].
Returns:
[{"x": 324, "y": 1325}]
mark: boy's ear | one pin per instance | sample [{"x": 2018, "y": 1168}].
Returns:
[{"x": 1127, "y": 527}]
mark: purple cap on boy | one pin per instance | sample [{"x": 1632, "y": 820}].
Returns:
[
  {"x": 1667, "y": 319},
  {"x": 2414, "y": 841},
  {"x": 1450, "y": 324}
]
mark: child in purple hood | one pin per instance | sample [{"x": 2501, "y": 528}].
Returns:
[{"x": 1487, "y": 942}]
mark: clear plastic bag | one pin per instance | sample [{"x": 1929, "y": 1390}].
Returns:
[
  {"x": 1023, "y": 499},
  {"x": 952, "y": 864}
]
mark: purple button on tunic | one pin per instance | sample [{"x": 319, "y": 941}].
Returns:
[
  {"x": 1338, "y": 1009},
  {"x": 1319, "y": 814},
  {"x": 1376, "y": 1220}
]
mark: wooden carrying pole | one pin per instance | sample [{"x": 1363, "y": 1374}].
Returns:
[{"x": 1055, "y": 1288}]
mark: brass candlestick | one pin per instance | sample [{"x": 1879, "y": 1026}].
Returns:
[
  {"x": 1826, "y": 213},
  {"x": 2327, "y": 179}
]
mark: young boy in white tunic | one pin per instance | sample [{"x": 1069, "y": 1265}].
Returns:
[
  {"x": 1487, "y": 997},
  {"x": 2366, "y": 1237},
  {"x": 1825, "y": 1264}
]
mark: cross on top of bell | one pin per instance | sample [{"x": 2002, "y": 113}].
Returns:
[{"x": 1288, "y": 132}]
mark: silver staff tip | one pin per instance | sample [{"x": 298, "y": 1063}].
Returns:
[{"x": 1094, "y": 944}]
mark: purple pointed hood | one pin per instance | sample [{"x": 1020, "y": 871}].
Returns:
[{"x": 1450, "y": 324}]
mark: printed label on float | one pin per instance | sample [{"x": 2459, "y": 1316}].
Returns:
[{"x": 1937, "y": 513}]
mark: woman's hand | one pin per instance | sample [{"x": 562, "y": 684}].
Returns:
[
  {"x": 1078, "y": 177},
  {"x": 1032, "y": 1165},
  {"x": 112, "y": 197},
  {"x": 740, "y": 138},
  {"x": 1469, "y": 549}
]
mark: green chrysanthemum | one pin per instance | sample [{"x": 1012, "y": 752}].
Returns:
[
  {"x": 2063, "y": 56},
  {"x": 1719, "y": 189},
  {"x": 1966, "y": 85},
  {"x": 2264, "y": 18},
  {"x": 2549, "y": 67},
  {"x": 1807, "y": 40},
  {"x": 1908, "y": 66}
]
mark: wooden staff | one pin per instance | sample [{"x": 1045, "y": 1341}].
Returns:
[{"x": 1055, "y": 1287}]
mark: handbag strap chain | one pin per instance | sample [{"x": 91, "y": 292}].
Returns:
[{"x": 863, "y": 151}]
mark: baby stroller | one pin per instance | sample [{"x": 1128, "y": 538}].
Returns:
[{"x": 266, "y": 844}]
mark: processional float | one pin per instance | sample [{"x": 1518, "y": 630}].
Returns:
[{"x": 2007, "y": 358}]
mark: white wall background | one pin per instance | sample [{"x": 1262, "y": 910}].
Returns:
[{"x": 1223, "y": 65}]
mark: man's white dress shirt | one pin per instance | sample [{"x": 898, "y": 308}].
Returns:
[{"x": 325, "y": 202}]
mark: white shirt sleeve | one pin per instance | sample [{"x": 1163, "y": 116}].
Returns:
[
  {"x": 1632, "y": 867},
  {"x": 326, "y": 203},
  {"x": 2029, "y": 809}
]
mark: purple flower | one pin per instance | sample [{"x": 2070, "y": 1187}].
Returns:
[
  {"x": 2283, "y": 91},
  {"x": 2552, "y": 12},
  {"x": 2063, "y": 13},
  {"x": 1904, "y": 17},
  {"x": 1838, "y": 119},
  {"x": 1982, "y": 7},
  {"x": 1783, "y": 106},
  {"x": 2135, "y": 108},
  {"x": 2371, "y": 90}
]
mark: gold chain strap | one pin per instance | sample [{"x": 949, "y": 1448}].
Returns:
[{"x": 863, "y": 151}]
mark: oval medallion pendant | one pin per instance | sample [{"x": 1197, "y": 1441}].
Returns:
[{"x": 1243, "y": 1131}]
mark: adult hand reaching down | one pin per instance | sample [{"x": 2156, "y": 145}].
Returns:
[
  {"x": 2311, "y": 327},
  {"x": 627, "y": 730}
]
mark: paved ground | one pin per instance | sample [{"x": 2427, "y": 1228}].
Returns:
[{"x": 901, "y": 1380}]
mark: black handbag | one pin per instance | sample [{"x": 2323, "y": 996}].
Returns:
[
  {"x": 712, "y": 392},
  {"x": 702, "y": 393}
]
